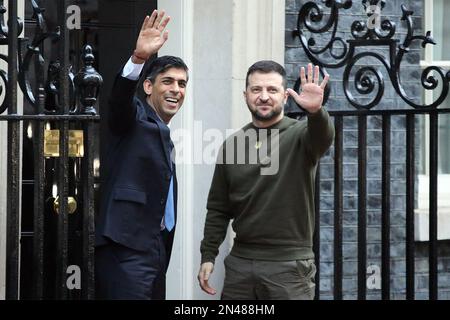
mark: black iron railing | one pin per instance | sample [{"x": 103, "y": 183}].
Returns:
[
  {"x": 54, "y": 99},
  {"x": 368, "y": 82}
]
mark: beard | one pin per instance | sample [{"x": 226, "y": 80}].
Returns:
[{"x": 275, "y": 112}]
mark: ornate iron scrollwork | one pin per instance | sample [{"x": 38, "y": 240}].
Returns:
[
  {"x": 30, "y": 53},
  {"x": 33, "y": 53},
  {"x": 367, "y": 80}
]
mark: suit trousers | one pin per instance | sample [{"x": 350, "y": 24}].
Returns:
[{"x": 122, "y": 273}]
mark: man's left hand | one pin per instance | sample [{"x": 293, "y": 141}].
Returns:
[{"x": 311, "y": 95}]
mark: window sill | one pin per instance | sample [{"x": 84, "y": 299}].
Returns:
[
  {"x": 422, "y": 215},
  {"x": 421, "y": 224}
]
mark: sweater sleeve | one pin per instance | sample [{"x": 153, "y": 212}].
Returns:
[
  {"x": 217, "y": 217},
  {"x": 319, "y": 134},
  {"x": 122, "y": 104}
]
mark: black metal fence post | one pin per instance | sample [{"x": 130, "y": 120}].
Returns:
[
  {"x": 338, "y": 207},
  {"x": 433, "y": 222},
  {"x": 362, "y": 206},
  {"x": 316, "y": 241},
  {"x": 62, "y": 233},
  {"x": 386, "y": 208},
  {"x": 410, "y": 176},
  {"x": 13, "y": 192}
]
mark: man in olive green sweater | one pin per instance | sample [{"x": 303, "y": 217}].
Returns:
[{"x": 269, "y": 199}]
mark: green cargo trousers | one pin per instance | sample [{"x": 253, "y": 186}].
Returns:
[{"x": 247, "y": 279}]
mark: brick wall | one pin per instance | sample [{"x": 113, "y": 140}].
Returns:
[{"x": 411, "y": 72}]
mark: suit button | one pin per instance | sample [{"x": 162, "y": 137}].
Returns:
[
  {"x": 168, "y": 176},
  {"x": 162, "y": 200}
]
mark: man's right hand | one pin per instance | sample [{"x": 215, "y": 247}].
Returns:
[
  {"x": 151, "y": 37},
  {"x": 203, "y": 276}
]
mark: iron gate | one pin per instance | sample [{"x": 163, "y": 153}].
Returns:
[
  {"x": 369, "y": 83},
  {"x": 65, "y": 103}
]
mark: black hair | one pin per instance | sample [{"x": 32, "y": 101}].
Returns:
[
  {"x": 162, "y": 64},
  {"x": 266, "y": 66}
]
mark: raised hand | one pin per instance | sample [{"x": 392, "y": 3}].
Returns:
[
  {"x": 311, "y": 95},
  {"x": 151, "y": 37}
]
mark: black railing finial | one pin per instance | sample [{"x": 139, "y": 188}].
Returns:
[{"x": 88, "y": 82}]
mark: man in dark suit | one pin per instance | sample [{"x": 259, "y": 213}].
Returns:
[{"x": 136, "y": 223}]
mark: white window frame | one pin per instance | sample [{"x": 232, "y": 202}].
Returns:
[{"x": 422, "y": 211}]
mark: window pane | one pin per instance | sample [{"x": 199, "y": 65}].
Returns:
[
  {"x": 423, "y": 143},
  {"x": 441, "y": 26},
  {"x": 444, "y": 136},
  {"x": 423, "y": 135}
]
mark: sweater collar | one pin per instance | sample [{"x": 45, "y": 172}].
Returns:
[{"x": 284, "y": 123}]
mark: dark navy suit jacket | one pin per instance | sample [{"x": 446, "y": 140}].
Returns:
[{"x": 138, "y": 172}]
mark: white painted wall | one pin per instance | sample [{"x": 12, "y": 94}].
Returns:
[
  {"x": 3, "y": 163},
  {"x": 218, "y": 40},
  {"x": 180, "y": 280},
  {"x": 258, "y": 34}
]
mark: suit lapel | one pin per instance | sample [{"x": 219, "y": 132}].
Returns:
[{"x": 164, "y": 132}]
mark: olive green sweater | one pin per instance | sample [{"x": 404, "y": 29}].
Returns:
[{"x": 271, "y": 197}]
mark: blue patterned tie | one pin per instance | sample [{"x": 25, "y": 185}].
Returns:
[{"x": 169, "y": 214}]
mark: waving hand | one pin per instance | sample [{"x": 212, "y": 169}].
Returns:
[
  {"x": 151, "y": 37},
  {"x": 311, "y": 95}
]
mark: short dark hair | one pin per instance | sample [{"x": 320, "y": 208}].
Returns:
[
  {"x": 266, "y": 66},
  {"x": 162, "y": 64}
]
